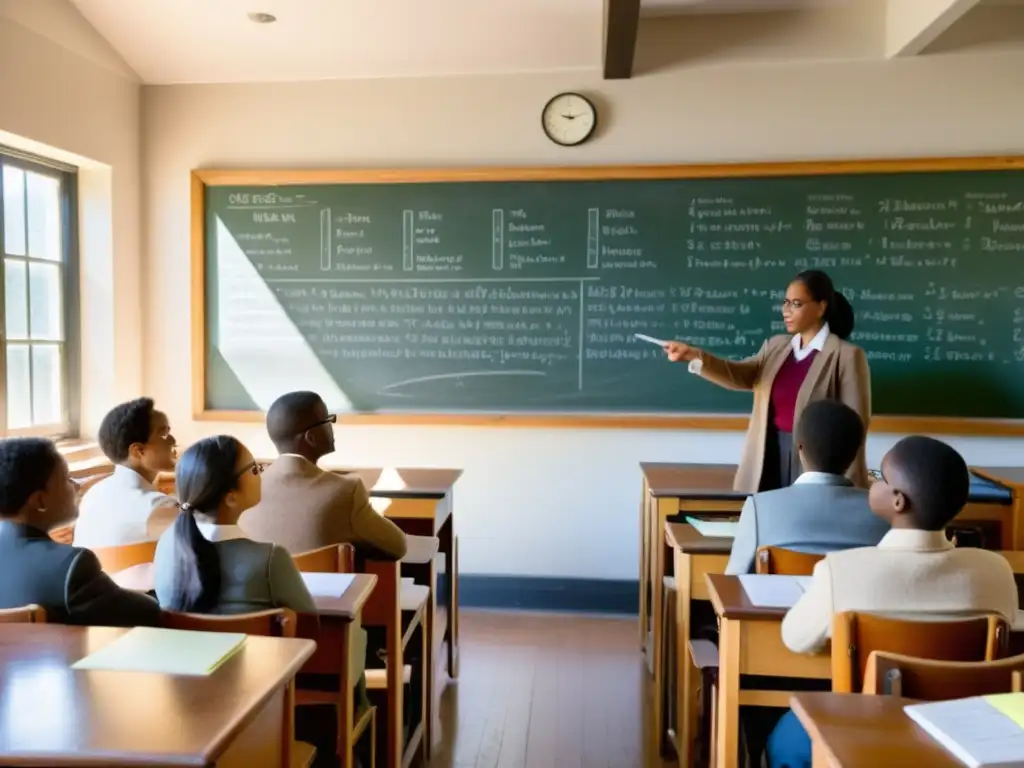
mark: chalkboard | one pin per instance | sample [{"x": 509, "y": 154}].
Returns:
[{"x": 520, "y": 292}]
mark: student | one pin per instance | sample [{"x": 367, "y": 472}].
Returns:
[
  {"x": 913, "y": 570},
  {"x": 204, "y": 563},
  {"x": 304, "y": 507},
  {"x": 37, "y": 494},
  {"x": 125, "y": 508},
  {"x": 822, "y": 511}
]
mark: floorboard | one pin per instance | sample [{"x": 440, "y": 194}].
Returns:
[{"x": 546, "y": 691}]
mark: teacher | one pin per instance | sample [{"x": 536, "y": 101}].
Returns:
[{"x": 812, "y": 362}]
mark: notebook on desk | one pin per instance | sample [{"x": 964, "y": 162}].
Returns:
[
  {"x": 774, "y": 591},
  {"x": 981, "y": 732},
  {"x": 165, "y": 651},
  {"x": 725, "y": 529}
]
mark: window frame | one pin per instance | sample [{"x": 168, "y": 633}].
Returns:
[{"x": 67, "y": 177}]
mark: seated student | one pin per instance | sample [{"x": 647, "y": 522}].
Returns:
[
  {"x": 304, "y": 507},
  {"x": 125, "y": 508},
  {"x": 204, "y": 563},
  {"x": 913, "y": 570},
  {"x": 822, "y": 511},
  {"x": 37, "y": 494}
]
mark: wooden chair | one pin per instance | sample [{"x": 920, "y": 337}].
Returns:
[
  {"x": 28, "y": 614},
  {"x": 856, "y": 635},
  {"x": 114, "y": 559},
  {"x": 784, "y": 561},
  {"x": 331, "y": 653},
  {"x": 65, "y": 534},
  {"x": 928, "y": 680},
  {"x": 279, "y": 622},
  {"x": 334, "y": 558}
]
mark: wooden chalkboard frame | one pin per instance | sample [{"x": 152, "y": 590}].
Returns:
[{"x": 203, "y": 178}]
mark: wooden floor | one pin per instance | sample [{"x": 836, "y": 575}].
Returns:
[{"x": 546, "y": 691}]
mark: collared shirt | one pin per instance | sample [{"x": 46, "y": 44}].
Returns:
[
  {"x": 821, "y": 478},
  {"x": 916, "y": 539},
  {"x": 817, "y": 344},
  {"x": 800, "y": 353},
  {"x": 122, "y": 509},
  {"x": 217, "y": 533}
]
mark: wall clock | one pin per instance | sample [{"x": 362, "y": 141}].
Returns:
[{"x": 569, "y": 119}]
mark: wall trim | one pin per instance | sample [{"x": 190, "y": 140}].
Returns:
[{"x": 533, "y": 593}]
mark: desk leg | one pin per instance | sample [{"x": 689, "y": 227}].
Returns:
[
  {"x": 686, "y": 688},
  {"x": 346, "y": 705},
  {"x": 665, "y": 509},
  {"x": 645, "y": 564},
  {"x": 452, "y": 593},
  {"x": 727, "y": 720}
]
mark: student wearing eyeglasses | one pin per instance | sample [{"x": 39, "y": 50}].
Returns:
[
  {"x": 812, "y": 361},
  {"x": 305, "y": 508},
  {"x": 204, "y": 563}
]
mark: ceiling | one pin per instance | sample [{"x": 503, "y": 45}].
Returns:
[{"x": 204, "y": 41}]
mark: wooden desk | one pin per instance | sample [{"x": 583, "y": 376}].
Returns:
[
  {"x": 694, "y": 556},
  {"x": 750, "y": 643},
  {"x": 52, "y": 715},
  {"x": 670, "y": 490},
  {"x": 422, "y": 504},
  {"x": 848, "y": 730},
  {"x": 1011, "y": 478}
]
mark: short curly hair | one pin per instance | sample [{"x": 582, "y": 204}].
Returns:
[
  {"x": 126, "y": 424},
  {"x": 26, "y": 464}
]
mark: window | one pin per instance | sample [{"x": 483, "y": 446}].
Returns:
[{"x": 38, "y": 297}]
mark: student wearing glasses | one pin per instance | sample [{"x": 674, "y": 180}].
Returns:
[
  {"x": 204, "y": 563},
  {"x": 812, "y": 361},
  {"x": 303, "y": 507}
]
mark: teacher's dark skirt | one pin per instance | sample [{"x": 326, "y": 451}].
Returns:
[{"x": 781, "y": 460}]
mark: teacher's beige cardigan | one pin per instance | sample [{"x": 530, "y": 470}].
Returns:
[{"x": 838, "y": 372}]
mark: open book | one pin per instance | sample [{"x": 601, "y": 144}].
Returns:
[{"x": 982, "y": 731}]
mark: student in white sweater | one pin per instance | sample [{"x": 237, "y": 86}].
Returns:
[{"x": 913, "y": 572}]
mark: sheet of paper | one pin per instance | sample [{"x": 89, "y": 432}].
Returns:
[
  {"x": 165, "y": 651},
  {"x": 774, "y": 591},
  {"x": 973, "y": 730},
  {"x": 650, "y": 339},
  {"x": 722, "y": 529},
  {"x": 327, "y": 584}
]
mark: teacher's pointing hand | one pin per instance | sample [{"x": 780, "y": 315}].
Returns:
[{"x": 679, "y": 352}]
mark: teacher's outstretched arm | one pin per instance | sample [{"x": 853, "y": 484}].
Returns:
[{"x": 731, "y": 374}]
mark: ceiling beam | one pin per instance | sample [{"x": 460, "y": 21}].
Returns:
[
  {"x": 621, "y": 20},
  {"x": 913, "y": 25}
]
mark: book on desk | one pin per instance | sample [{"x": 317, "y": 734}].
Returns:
[
  {"x": 714, "y": 528},
  {"x": 982, "y": 731}
]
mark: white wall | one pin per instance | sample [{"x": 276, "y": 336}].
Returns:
[
  {"x": 548, "y": 502},
  {"x": 66, "y": 94}
]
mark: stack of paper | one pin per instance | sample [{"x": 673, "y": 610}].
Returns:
[
  {"x": 771, "y": 591},
  {"x": 725, "y": 529},
  {"x": 327, "y": 584},
  {"x": 983, "y": 731},
  {"x": 165, "y": 651}
]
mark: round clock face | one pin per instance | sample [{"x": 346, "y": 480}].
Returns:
[{"x": 569, "y": 119}]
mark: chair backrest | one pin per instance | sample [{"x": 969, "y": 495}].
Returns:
[
  {"x": 335, "y": 558},
  {"x": 856, "y": 635},
  {"x": 65, "y": 534},
  {"x": 785, "y": 561},
  {"x": 930, "y": 680},
  {"x": 279, "y": 622},
  {"x": 114, "y": 559},
  {"x": 27, "y": 614}
]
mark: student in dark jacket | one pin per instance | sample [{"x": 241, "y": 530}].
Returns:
[{"x": 37, "y": 494}]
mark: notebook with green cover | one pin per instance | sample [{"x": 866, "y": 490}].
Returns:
[{"x": 165, "y": 651}]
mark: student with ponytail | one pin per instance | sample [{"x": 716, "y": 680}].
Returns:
[
  {"x": 813, "y": 361},
  {"x": 203, "y": 562}
]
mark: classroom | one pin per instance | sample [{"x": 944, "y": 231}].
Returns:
[{"x": 212, "y": 205}]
